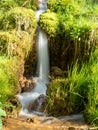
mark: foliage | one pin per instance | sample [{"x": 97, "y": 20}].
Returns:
[
  {"x": 19, "y": 18},
  {"x": 2, "y": 113},
  {"x": 74, "y": 17}
]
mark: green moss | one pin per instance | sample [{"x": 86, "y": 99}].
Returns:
[
  {"x": 20, "y": 19},
  {"x": 6, "y": 5},
  {"x": 15, "y": 43},
  {"x": 58, "y": 6},
  {"x": 33, "y": 4},
  {"x": 8, "y": 78},
  {"x": 49, "y": 23}
]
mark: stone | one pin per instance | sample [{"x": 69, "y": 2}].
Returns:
[
  {"x": 26, "y": 85},
  {"x": 56, "y": 71},
  {"x": 38, "y": 104}
]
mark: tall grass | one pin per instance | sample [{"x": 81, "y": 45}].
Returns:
[
  {"x": 68, "y": 95},
  {"x": 91, "y": 108},
  {"x": 78, "y": 92}
]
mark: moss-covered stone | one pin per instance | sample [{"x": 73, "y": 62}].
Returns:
[
  {"x": 8, "y": 78},
  {"x": 15, "y": 43},
  {"x": 19, "y": 18},
  {"x": 49, "y": 23},
  {"x": 6, "y": 5},
  {"x": 33, "y": 4}
]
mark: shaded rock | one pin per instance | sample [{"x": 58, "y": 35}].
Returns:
[{"x": 56, "y": 71}]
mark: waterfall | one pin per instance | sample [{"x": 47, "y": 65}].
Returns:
[
  {"x": 43, "y": 58},
  {"x": 37, "y": 95}
]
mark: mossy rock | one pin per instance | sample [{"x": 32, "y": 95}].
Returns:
[
  {"x": 19, "y": 18},
  {"x": 57, "y": 6},
  {"x": 6, "y": 5},
  {"x": 15, "y": 43},
  {"x": 8, "y": 78},
  {"x": 49, "y": 23}
]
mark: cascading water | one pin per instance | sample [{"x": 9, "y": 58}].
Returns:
[{"x": 39, "y": 91}]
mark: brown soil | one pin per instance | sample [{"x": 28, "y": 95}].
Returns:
[{"x": 34, "y": 124}]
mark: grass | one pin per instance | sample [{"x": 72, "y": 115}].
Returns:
[{"x": 78, "y": 92}]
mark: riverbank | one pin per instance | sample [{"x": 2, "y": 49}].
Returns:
[{"x": 43, "y": 123}]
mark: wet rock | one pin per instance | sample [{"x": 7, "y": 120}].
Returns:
[
  {"x": 38, "y": 104},
  {"x": 26, "y": 85}
]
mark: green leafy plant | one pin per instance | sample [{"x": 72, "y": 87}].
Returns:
[{"x": 2, "y": 112}]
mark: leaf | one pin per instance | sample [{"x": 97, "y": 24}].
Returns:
[
  {"x": 0, "y": 123},
  {"x": 2, "y": 112},
  {"x": 5, "y": 105}
]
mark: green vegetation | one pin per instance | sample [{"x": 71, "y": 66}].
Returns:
[
  {"x": 72, "y": 30},
  {"x": 8, "y": 78},
  {"x": 68, "y": 95},
  {"x": 72, "y": 25},
  {"x": 49, "y": 22},
  {"x": 78, "y": 92},
  {"x": 20, "y": 19},
  {"x": 17, "y": 27},
  {"x": 2, "y": 113}
]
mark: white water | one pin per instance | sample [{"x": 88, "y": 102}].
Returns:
[
  {"x": 43, "y": 58},
  {"x": 42, "y": 69}
]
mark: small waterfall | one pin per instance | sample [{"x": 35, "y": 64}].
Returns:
[
  {"x": 32, "y": 101},
  {"x": 43, "y": 58}
]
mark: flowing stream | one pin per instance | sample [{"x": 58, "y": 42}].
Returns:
[{"x": 32, "y": 101}]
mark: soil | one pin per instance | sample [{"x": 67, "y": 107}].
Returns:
[{"x": 51, "y": 123}]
